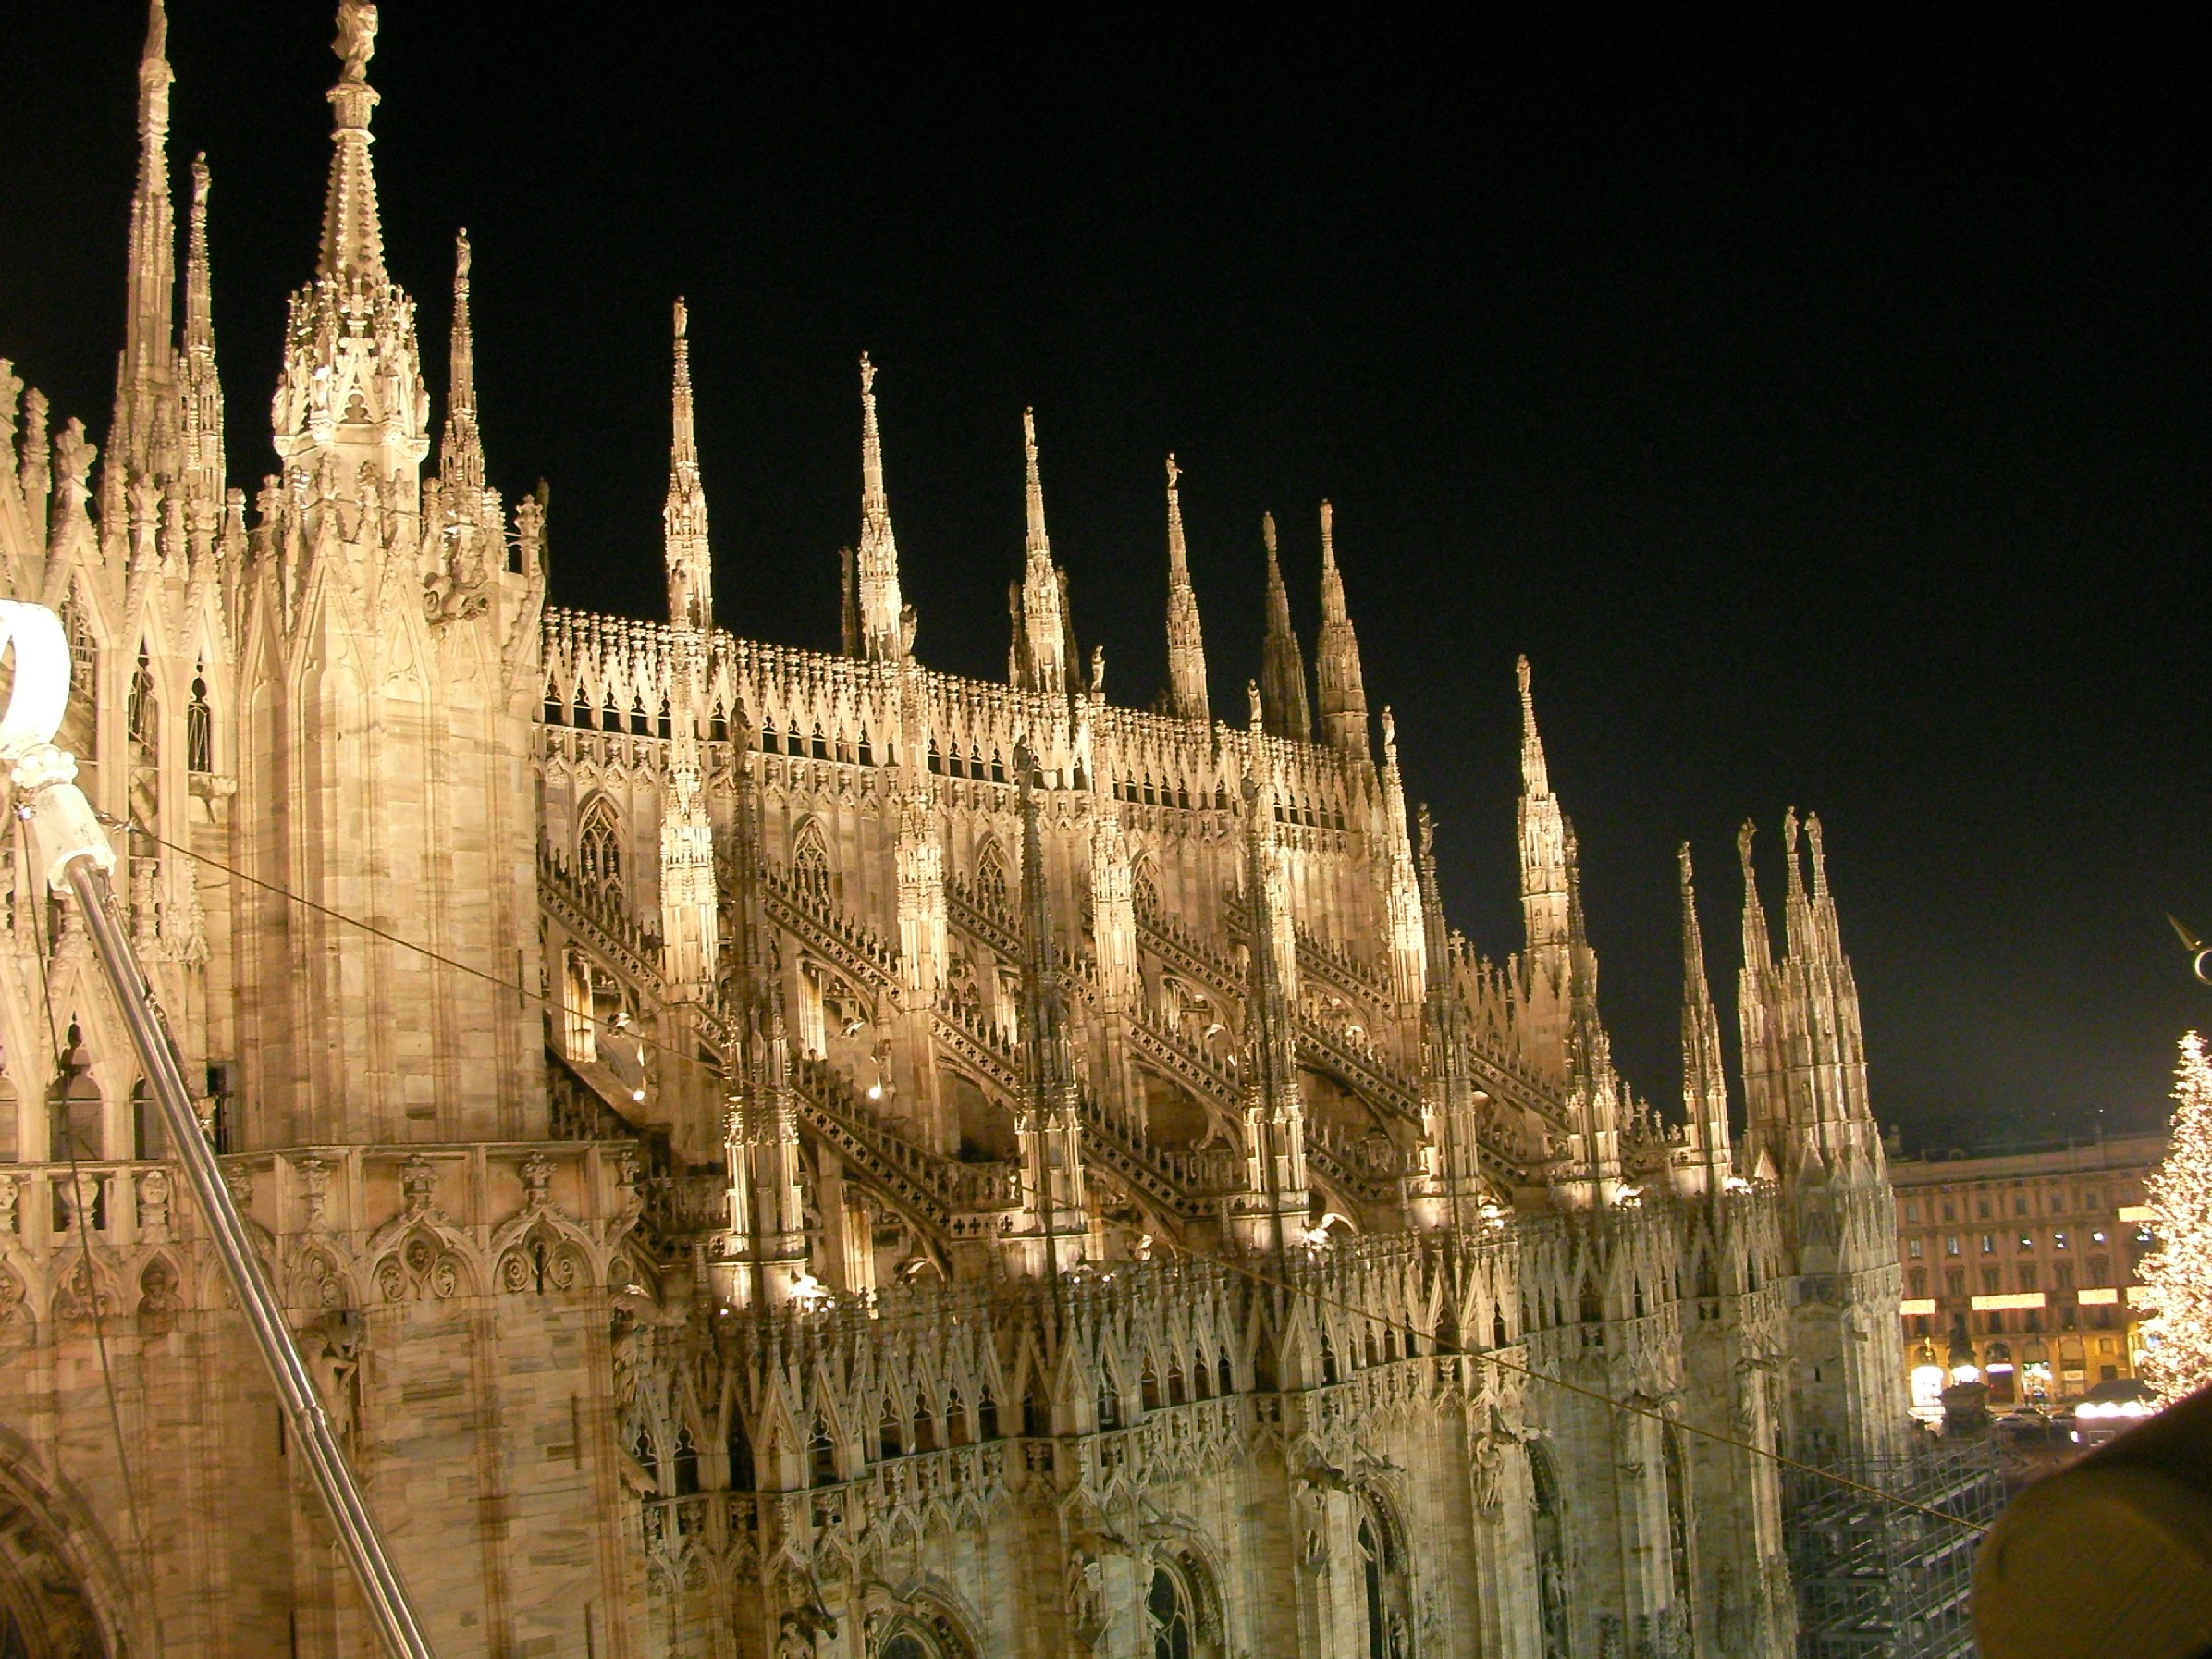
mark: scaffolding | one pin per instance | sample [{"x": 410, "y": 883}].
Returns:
[{"x": 1880, "y": 1580}]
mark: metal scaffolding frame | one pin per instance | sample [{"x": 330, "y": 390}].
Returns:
[{"x": 1878, "y": 1580}]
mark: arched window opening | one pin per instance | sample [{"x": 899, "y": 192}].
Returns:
[
  {"x": 844, "y": 747},
  {"x": 1677, "y": 1518},
  {"x": 821, "y": 749},
  {"x": 599, "y": 853},
  {"x": 792, "y": 742},
  {"x": 687, "y": 1463},
  {"x": 718, "y": 726},
  {"x": 639, "y": 725},
  {"x": 556, "y": 711},
  {"x": 986, "y": 1417},
  {"x": 584, "y": 707},
  {"x": 1228, "y": 1376},
  {"x": 1550, "y": 1554},
  {"x": 610, "y": 714},
  {"x": 666, "y": 726},
  {"x": 1174, "y": 1384},
  {"x": 955, "y": 764},
  {"x": 956, "y": 1421},
  {"x": 145, "y": 1124},
  {"x": 1169, "y": 1612},
  {"x": 78, "y": 1129},
  {"x": 976, "y": 760},
  {"x": 810, "y": 860},
  {"x": 1328, "y": 1359},
  {"x": 1498, "y": 1337},
  {"x": 1183, "y": 797},
  {"x": 998, "y": 768},
  {"x": 1371, "y": 1572},
  {"x": 937, "y": 760},
  {"x": 1149, "y": 1387},
  {"x": 199, "y": 727},
  {"x": 925, "y": 1427},
  {"x": 991, "y": 877},
  {"x": 867, "y": 750},
  {"x": 740, "y": 1447},
  {"x": 139, "y": 713},
  {"x": 821, "y": 1455},
  {"x": 647, "y": 1457},
  {"x": 891, "y": 1432},
  {"x": 1035, "y": 1422},
  {"x": 1144, "y": 885},
  {"x": 1110, "y": 1403},
  {"x": 770, "y": 742}
]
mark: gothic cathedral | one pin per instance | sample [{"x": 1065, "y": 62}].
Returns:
[{"x": 771, "y": 1153}]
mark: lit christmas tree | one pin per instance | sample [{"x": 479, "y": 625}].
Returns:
[{"x": 2178, "y": 1279}]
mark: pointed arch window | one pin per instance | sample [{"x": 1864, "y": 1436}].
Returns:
[
  {"x": 599, "y": 852},
  {"x": 1143, "y": 886},
  {"x": 810, "y": 860},
  {"x": 956, "y": 767},
  {"x": 556, "y": 711},
  {"x": 792, "y": 742},
  {"x": 583, "y": 708},
  {"x": 740, "y": 1448},
  {"x": 998, "y": 768},
  {"x": 610, "y": 714},
  {"x": 770, "y": 742},
  {"x": 687, "y": 1463},
  {"x": 199, "y": 725},
  {"x": 891, "y": 1433},
  {"x": 639, "y": 727},
  {"x": 987, "y": 1417},
  {"x": 1169, "y": 1612},
  {"x": 991, "y": 877},
  {"x": 666, "y": 725},
  {"x": 140, "y": 713},
  {"x": 976, "y": 760},
  {"x": 937, "y": 759},
  {"x": 821, "y": 1455},
  {"x": 718, "y": 726},
  {"x": 867, "y": 754}
]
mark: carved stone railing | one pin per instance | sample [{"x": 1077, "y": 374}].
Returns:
[
  {"x": 967, "y": 910},
  {"x": 844, "y": 942},
  {"x": 979, "y": 1043},
  {"x": 587, "y": 915}
]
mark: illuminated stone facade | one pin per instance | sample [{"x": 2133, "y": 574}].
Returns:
[{"x": 813, "y": 1155}]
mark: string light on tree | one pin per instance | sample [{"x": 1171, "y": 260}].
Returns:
[{"x": 2178, "y": 1279}]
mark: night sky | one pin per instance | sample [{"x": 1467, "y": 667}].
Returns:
[{"x": 1820, "y": 402}]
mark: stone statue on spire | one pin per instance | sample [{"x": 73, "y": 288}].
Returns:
[{"x": 356, "y": 42}]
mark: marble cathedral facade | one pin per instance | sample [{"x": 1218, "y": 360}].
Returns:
[{"x": 816, "y": 1155}]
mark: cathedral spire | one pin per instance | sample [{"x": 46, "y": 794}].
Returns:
[
  {"x": 1797, "y": 910},
  {"x": 1040, "y": 646},
  {"x": 1186, "y": 645},
  {"x": 1282, "y": 664},
  {"x": 199, "y": 388},
  {"x": 1049, "y": 1236},
  {"x": 1547, "y": 947},
  {"x": 353, "y": 231},
  {"x": 145, "y": 378},
  {"x": 683, "y": 517},
  {"x": 1342, "y": 687},
  {"x": 1758, "y": 952},
  {"x": 1704, "y": 1078},
  {"x": 460, "y": 453},
  {"x": 886, "y": 622}
]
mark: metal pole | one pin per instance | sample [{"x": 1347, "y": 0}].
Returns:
[{"x": 386, "y": 1596}]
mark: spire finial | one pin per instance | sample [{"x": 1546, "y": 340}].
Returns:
[
  {"x": 461, "y": 455},
  {"x": 145, "y": 381},
  {"x": 353, "y": 231},
  {"x": 1820, "y": 858},
  {"x": 1535, "y": 773},
  {"x": 1757, "y": 952},
  {"x": 885, "y": 622},
  {"x": 1267, "y": 535},
  {"x": 686, "y": 549},
  {"x": 1282, "y": 663},
  {"x": 1185, "y": 643},
  {"x": 1694, "y": 990},
  {"x": 1043, "y": 655}
]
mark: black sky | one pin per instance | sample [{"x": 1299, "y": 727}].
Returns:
[{"x": 1818, "y": 398}]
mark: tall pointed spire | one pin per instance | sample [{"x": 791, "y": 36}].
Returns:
[
  {"x": 460, "y": 453},
  {"x": 199, "y": 388},
  {"x": 1282, "y": 664},
  {"x": 1755, "y": 993},
  {"x": 1185, "y": 645},
  {"x": 1338, "y": 680},
  {"x": 351, "y": 403},
  {"x": 1797, "y": 910},
  {"x": 1040, "y": 647},
  {"x": 1547, "y": 951},
  {"x": 145, "y": 379},
  {"x": 886, "y": 627},
  {"x": 683, "y": 517},
  {"x": 352, "y": 228},
  {"x": 1704, "y": 1076}
]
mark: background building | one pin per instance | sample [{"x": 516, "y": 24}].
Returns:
[{"x": 2020, "y": 1262}]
